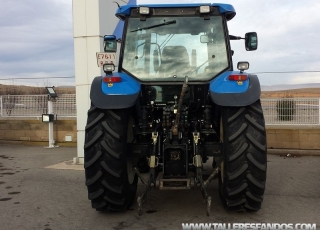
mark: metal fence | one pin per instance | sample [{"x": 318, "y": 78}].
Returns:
[
  {"x": 24, "y": 106},
  {"x": 291, "y": 111},
  {"x": 278, "y": 111}
]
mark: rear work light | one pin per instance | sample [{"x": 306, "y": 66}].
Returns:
[
  {"x": 144, "y": 10},
  {"x": 112, "y": 79},
  {"x": 204, "y": 9},
  {"x": 108, "y": 68},
  {"x": 237, "y": 77},
  {"x": 243, "y": 65}
]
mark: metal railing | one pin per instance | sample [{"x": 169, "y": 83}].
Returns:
[
  {"x": 291, "y": 111},
  {"x": 36, "y": 105},
  {"x": 277, "y": 111}
]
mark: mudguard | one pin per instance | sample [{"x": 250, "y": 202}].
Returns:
[
  {"x": 117, "y": 95},
  {"x": 234, "y": 93}
]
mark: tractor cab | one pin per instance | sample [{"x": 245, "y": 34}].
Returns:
[{"x": 166, "y": 43}]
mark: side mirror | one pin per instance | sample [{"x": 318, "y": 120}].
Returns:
[
  {"x": 110, "y": 44},
  {"x": 251, "y": 41}
]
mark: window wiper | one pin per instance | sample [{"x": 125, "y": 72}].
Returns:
[{"x": 154, "y": 26}]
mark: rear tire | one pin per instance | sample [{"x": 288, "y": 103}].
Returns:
[
  {"x": 242, "y": 176},
  {"x": 110, "y": 181}
]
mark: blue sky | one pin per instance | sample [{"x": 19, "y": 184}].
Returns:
[{"x": 36, "y": 40}]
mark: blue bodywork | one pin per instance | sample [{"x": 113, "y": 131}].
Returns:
[
  {"x": 221, "y": 84},
  {"x": 224, "y": 92},
  {"x": 116, "y": 95},
  {"x": 128, "y": 85},
  {"x": 124, "y": 11},
  {"x": 223, "y": 8}
]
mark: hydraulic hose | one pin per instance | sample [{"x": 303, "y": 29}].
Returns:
[{"x": 177, "y": 120}]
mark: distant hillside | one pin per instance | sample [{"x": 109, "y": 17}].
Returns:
[
  {"x": 273, "y": 91},
  {"x": 289, "y": 86},
  {"x": 33, "y": 90}
]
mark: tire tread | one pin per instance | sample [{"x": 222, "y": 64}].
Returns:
[
  {"x": 245, "y": 158},
  {"x": 105, "y": 163}
]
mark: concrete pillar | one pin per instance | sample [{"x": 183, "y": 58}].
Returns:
[{"x": 92, "y": 19}]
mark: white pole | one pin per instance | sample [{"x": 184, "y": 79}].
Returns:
[
  {"x": 50, "y": 111},
  {"x": 90, "y": 23}
]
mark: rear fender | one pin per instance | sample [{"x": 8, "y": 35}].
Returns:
[
  {"x": 117, "y": 95},
  {"x": 224, "y": 92}
]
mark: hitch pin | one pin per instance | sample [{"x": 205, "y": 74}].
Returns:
[{"x": 154, "y": 137}]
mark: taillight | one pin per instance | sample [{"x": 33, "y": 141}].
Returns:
[
  {"x": 237, "y": 77},
  {"x": 112, "y": 79}
]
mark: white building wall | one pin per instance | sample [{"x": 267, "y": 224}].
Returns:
[{"x": 92, "y": 19}]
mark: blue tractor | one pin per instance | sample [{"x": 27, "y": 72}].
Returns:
[{"x": 175, "y": 104}]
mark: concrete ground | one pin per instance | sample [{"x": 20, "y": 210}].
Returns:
[{"x": 41, "y": 189}]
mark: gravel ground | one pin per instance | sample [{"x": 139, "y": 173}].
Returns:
[{"x": 37, "y": 191}]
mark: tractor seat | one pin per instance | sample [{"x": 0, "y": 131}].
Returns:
[{"x": 174, "y": 61}]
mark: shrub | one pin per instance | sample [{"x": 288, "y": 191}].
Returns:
[{"x": 286, "y": 109}]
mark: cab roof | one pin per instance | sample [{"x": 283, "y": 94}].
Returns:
[{"x": 226, "y": 9}]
